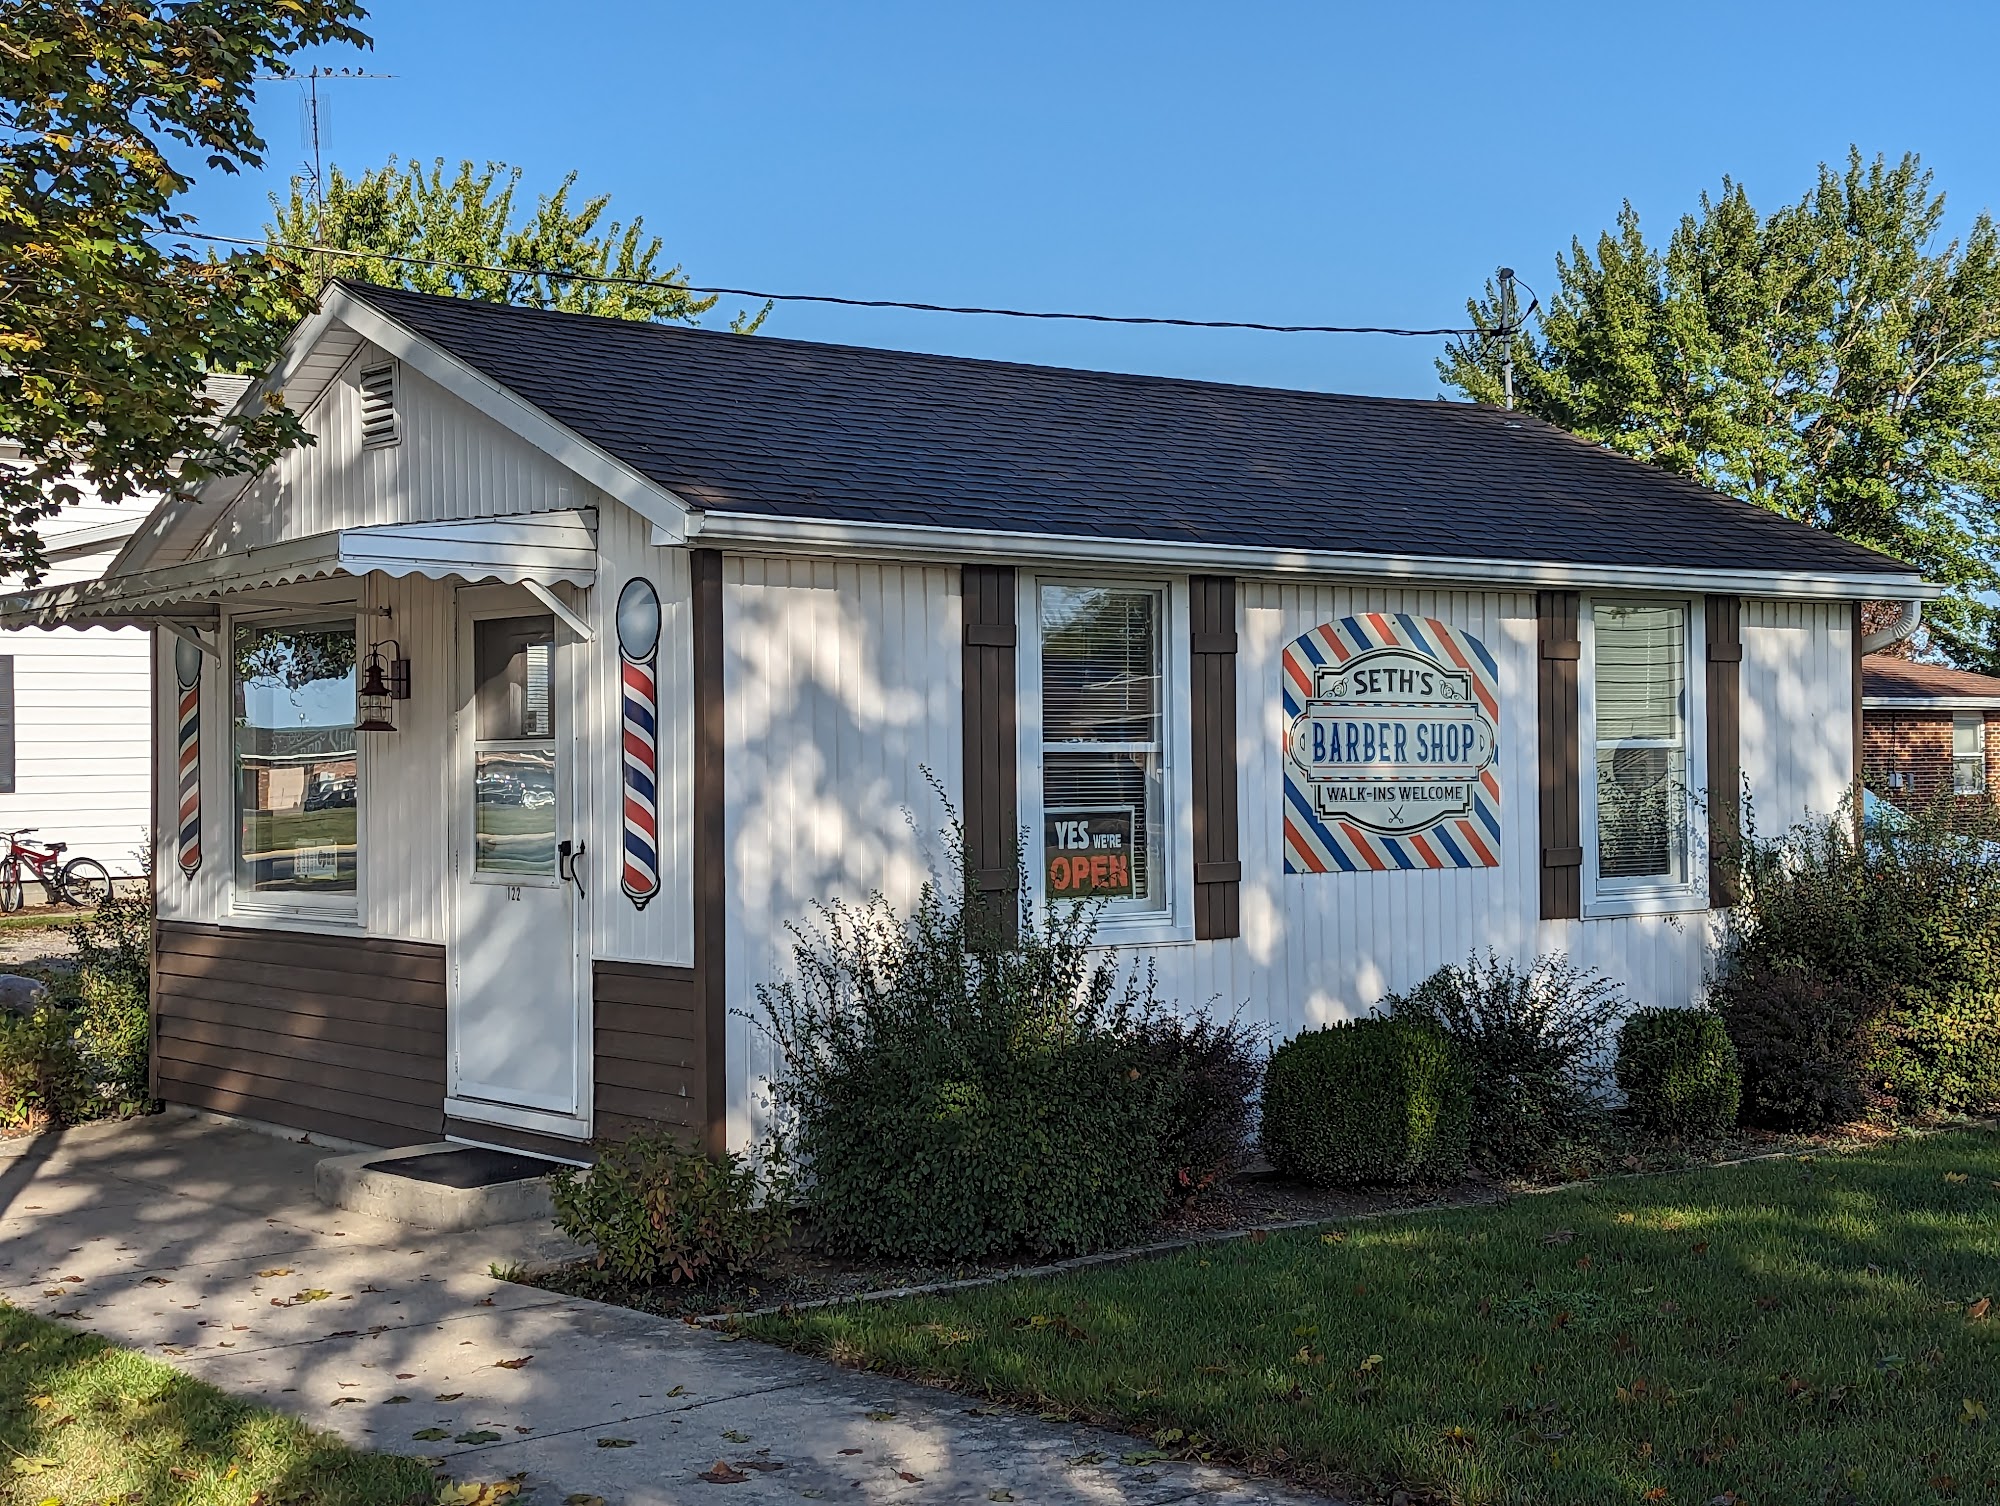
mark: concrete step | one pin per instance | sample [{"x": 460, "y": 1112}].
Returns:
[{"x": 427, "y": 1196}]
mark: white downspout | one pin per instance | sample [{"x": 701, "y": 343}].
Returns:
[{"x": 1895, "y": 632}]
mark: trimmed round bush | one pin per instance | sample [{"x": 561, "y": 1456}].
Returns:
[
  {"x": 1679, "y": 1072},
  {"x": 1372, "y": 1100}
]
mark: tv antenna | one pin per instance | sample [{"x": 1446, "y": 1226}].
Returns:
[{"x": 315, "y": 132}]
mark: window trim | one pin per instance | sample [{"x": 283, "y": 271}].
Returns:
[
  {"x": 1601, "y": 899},
  {"x": 1176, "y": 922},
  {"x": 344, "y": 914}
]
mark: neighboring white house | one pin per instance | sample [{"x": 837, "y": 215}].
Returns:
[{"x": 75, "y": 707}]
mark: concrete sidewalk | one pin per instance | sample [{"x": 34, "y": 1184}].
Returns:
[{"x": 203, "y": 1245}]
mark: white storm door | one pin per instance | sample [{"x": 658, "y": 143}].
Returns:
[{"x": 516, "y": 1020}]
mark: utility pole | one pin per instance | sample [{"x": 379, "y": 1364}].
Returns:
[{"x": 1507, "y": 334}]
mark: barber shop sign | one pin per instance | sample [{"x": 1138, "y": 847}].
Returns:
[{"x": 1392, "y": 742}]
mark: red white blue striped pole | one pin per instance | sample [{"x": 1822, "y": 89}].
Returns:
[
  {"x": 187, "y": 672},
  {"x": 638, "y": 653}
]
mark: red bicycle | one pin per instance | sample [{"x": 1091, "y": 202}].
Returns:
[{"x": 83, "y": 882}]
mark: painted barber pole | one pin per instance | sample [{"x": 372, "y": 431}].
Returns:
[
  {"x": 187, "y": 673},
  {"x": 638, "y": 654},
  {"x": 1392, "y": 746}
]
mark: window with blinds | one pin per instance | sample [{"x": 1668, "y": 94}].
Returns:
[
  {"x": 1639, "y": 690},
  {"x": 1968, "y": 752},
  {"x": 1103, "y": 776}
]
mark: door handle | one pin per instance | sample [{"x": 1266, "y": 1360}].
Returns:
[{"x": 568, "y": 856}]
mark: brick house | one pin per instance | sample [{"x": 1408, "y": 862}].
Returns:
[{"x": 1927, "y": 729}]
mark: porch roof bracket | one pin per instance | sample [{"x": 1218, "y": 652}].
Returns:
[{"x": 561, "y": 608}]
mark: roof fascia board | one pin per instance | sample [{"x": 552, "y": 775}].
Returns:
[
  {"x": 646, "y": 497},
  {"x": 901, "y": 541},
  {"x": 1930, "y": 703}
]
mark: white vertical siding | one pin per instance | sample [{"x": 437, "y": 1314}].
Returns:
[
  {"x": 664, "y": 931},
  {"x": 1798, "y": 709},
  {"x": 405, "y": 775},
  {"x": 81, "y": 752},
  {"x": 453, "y": 462},
  {"x": 841, "y": 680},
  {"x": 841, "y": 686}
]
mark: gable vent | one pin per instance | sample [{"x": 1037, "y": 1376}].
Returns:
[{"x": 379, "y": 429}]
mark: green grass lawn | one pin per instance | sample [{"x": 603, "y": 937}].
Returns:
[
  {"x": 84, "y": 1422},
  {"x": 1810, "y": 1330}
]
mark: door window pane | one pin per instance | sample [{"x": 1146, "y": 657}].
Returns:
[
  {"x": 1103, "y": 774},
  {"x": 297, "y": 785},
  {"x": 1640, "y": 693},
  {"x": 514, "y": 828},
  {"x": 513, "y": 660}
]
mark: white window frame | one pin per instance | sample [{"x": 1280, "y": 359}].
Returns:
[
  {"x": 298, "y": 912},
  {"x": 1977, "y": 720},
  {"x": 1607, "y": 898},
  {"x": 1174, "y": 923}
]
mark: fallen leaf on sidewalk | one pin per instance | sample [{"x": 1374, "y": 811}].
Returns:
[
  {"x": 850, "y": 1451},
  {"x": 735, "y": 1437},
  {"x": 406, "y": 1375},
  {"x": 341, "y": 1401},
  {"x": 908, "y": 1478},
  {"x": 616, "y": 1442},
  {"x": 159, "y": 1281},
  {"x": 580, "y": 1499},
  {"x": 764, "y": 1465},
  {"x": 719, "y": 1473},
  {"x": 484, "y": 1302},
  {"x": 880, "y": 1416},
  {"x": 432, "y": 1435},
  {"x": 512, "y": 1364},
  {"x": 276, "y": 1270},
  {"x": 447, "y": 1395},
  {"x": 395, "y": 1401},
  {"x": 477, "y": 1435}
]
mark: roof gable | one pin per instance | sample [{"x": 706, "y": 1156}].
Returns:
[{"x": 817, "y": 433}]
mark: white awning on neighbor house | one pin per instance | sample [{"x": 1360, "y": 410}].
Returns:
[{"x": 537, "y": 550}]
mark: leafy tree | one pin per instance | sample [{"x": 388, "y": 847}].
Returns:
[
  {"x": 108, "y": 322},
  {"x": 405, "y": 218},
  {"x": 1834, "y": 361}
]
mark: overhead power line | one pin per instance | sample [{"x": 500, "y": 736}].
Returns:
[{"x": 555, "y": 274}]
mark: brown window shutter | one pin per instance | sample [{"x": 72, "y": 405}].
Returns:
[
  {"x": 1218, "y": 870},
  {"x": 1559, "y": 749},
  {"x": 1725, "y": 755},
  {"x": 991, "y": 814}
]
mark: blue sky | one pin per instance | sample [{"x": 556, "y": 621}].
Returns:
[{"x": 1325, "y": 163}]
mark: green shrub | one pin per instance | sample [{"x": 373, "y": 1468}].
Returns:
[
  {"x": 1679, "y": 1072},
  {"x": 1373, "y": 1100},
  {"x": 660, "y": 1213},
  {"x": 949, "y": 1093},
  {"x": 1535, "y": 1047},
  {"x": 43, "y": 1081},
  {"x": 113, "y": 949},
  {"x": 1867, "y": 972}
]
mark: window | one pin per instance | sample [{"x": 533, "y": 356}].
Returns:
[
  {"x": 514, "y": 753},
  {"x": 1638, "y": 729},
  {"x": 1105, "y": 807},
  {"x": 297, "y": 780},
  {"x": 1968, "y": 752}
]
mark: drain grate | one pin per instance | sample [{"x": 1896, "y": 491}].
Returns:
[{"x": 465, "y": 1166}]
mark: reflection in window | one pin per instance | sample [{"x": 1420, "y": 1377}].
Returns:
[
  {"x": 514, "y": 756},
  {"x": 1640, "y": 692},
  {"x": 297, "y": 785},
  {"x": 1103, "y": 775}
]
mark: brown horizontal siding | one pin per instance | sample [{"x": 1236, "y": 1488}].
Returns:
[
  {"x": 651, "y": 1051},
  {"x": 343, "y": 1035}
]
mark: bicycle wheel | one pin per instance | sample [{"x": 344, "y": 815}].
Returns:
[
  {"x": 10, "y": 885},
  {"x": 86, "y": 882}
]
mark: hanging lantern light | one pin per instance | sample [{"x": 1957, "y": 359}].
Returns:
[{"x": 385, "y": 679}]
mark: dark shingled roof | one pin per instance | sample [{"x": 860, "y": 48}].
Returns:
[
  {"x": 752, "y": 424},
  {"x": 1906, "y": 680}
]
